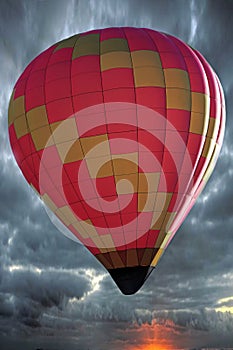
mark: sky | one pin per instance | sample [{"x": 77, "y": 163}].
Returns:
[{"x": 54, "y": 294}]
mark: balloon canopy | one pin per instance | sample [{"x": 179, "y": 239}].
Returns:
[{"x": 118, "y": 131}]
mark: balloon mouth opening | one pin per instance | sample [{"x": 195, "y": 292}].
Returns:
[{"x": 130, "y": 279}]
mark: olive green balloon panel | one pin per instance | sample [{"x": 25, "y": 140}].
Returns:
[{"x": 118, "y": 131}]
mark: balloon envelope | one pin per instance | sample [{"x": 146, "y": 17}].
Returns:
[{"x": 118, "y": 130}]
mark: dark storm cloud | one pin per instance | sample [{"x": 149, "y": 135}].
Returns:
[
  {"x": 47, "y": 288},
  {"x": 27, "y": 295},
  {"x": 213, "y": 36},
  {"x": 61, "y": 299}
]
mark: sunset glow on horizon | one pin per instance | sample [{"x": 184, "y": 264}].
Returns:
[
  {"x": 154, "y": 347},
  {"x": 154, "y": 337}
]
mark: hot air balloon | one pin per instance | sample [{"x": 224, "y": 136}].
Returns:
[{"x": 118, "y": 131}]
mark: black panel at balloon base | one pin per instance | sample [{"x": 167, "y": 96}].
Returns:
[{"x": 130, "y": 279}]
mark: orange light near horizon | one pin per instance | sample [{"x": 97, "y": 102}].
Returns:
[
  {"x": 153, "y": 337},
  {"x": 155, "y": 347}
]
